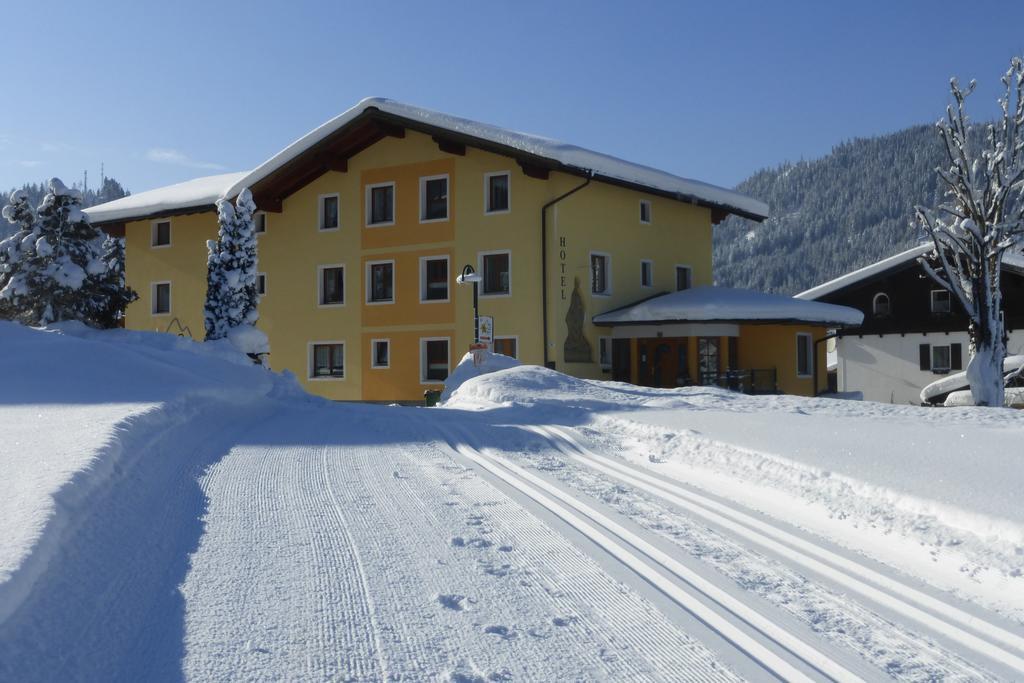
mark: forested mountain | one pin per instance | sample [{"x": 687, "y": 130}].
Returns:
[
  {"x": 831, "y": 215},
  {"x": 108, "y": 190}
]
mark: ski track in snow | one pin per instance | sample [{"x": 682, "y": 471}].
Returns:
[{"x": 485, "y": 591}]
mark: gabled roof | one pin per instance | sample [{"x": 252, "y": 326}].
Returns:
[
  {"x": 330, "y": 145},
  {"x": 197, "y": 194},
  {"x": 722, "y": 304},
  {"x": 904, "y": 259}
]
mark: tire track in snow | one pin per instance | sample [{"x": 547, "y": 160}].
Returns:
[
  {"x": 966, "y": 630},
  {"x": 687, "y": 589}
]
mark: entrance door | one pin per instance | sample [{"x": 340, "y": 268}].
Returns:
[
  {"x": 707, "y": 359},
  {"x": 621, "y": 362}
]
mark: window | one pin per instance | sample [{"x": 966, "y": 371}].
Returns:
[
  {"x": 600, "y": 278},
  {"x": 332, "y": 285},
  {"x": 684, "y": 278},
  {"x": 380, "y": 282},
  {"x": 941, "y": 359},
  {"x": 707, "y": 359},
  {"x": 161, "y": 292},
  {"x": 261, "y": 283},
  {"x": 804, "y": 355},
  {"x": 496, "y": 267},
  {"x": 507, "y": 346},
  {"x": 260, "y": 222},
  {"x": 604, "y": 352},
  {"x": 645, "y": 211},
  {"x": 161, "y": 234},
  {"x": 940, "y": 301},
  {"x": 434, "y": 278},
  {"x": 380, "y": 204},
  {"x": 496, "y": 192},
  {"x": 880, "y": 305},
  {"x": 380, "y": 353},
  {"x": 433, "y": 360},
  {"x": 329, "y": 215},
  {"x": 327, "y": 360},
  {"x": 646, "y": 273},
  {"x": 434, "y": 198}
]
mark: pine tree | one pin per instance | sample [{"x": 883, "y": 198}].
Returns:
[
  {"x": 15, "y": 250},
  {"x": 114, "y": 292},
  {"x": 231, "y": 296}
]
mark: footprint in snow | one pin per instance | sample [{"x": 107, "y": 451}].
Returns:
[
  {"x": 502, "y": 632},
  {"x": 505, "y": 548},
  {"x": 479, "y": 543},
  {"x": 564, "y": 621},
  {"x": 454, "y": 602}
]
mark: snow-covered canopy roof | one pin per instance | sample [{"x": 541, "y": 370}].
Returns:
[
  {"x": 721, "y": 304},
  {"x": 191, "y": 194},
  {"x": 1011, "y": 260},
  {"x": 558, "y": 155}
]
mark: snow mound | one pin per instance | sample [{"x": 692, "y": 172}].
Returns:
[
  {"x": 466, "y": 370},
  {"x": 247, "y": 339},
  {"x": 958, "y": 380},
  {"x": 1014, "y": 398}
]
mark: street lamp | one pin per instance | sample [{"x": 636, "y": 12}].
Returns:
[{"x": 470, "y": 275}]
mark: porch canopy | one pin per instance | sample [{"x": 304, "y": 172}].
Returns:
[{"x": 719, "y": 311}]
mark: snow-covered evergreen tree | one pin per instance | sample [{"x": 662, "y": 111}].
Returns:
[
  {"x": 231, "y": 296},
  {"x": 15, "y": 250},
  {"x": 982, "y": 218},
  {"x": 114, "y": 292}
]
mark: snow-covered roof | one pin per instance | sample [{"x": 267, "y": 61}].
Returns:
[
  {"x": 705, "y": 304},
  {"x": 190, "y": 194},
  {"x": 1012, "y": 259},
  {"x": 202, "y": 191}
]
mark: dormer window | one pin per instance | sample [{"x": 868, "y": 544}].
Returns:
[
  {"x": 881, "y": 305},
  {"x": 940, "y": 301}
]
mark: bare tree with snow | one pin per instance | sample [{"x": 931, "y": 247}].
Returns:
[{"x": 981, "y": 219}]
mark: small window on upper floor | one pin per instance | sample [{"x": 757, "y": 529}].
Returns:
[
  {"x": 161, "y": 294},
  {"x": 940, "y": 301},
  {"x": 496, "y": 192},
  {"x": 684, "y": 278},
  {"x": 646, "y": 273},
  {"x": 380, "y": 285},
  {"x": 434, "y": 278},
  {"x": 881, "y": 305},
  {"x": 600, "y": 278},
  {"x": 434, "y": 198},
  {"x": 497, "y": 273},
  {"x": 380, "y": 204},
  {"x": 259, "y": 222},
  {"x": 332, "y": 285},
  {"x": 261, "y": 283},
  {"x": 329, "y": 214},
  {"x": 161, "y": 234},
  {"x": 645, "y": 211}
]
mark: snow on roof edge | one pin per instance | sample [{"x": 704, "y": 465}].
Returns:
[
  {"x": 189, "y": 194},
  {"x": 855, "y": 276}
]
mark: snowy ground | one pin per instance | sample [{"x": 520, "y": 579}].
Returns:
[{"x": 169, "y": 513}]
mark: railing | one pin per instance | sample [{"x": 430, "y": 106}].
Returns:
[
  {"x": 753, "y": 381},
  {"x": 182, "y": 330}
]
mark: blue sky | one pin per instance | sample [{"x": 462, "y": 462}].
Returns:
[{"x": 163, "y": 92}]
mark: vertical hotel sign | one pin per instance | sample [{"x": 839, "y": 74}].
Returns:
[{"x": 561, "y": 262}]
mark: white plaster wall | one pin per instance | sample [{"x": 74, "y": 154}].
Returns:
[{"x": 887, "y": 368}]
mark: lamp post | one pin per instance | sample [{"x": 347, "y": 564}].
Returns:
[{"x": 470, "y": 275}]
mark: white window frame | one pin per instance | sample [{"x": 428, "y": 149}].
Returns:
[
  {"x": 949, "y": 356},
  {"x": 320, "y": 284},
  {"x": 373, "y": 354},
  {"x": 423, "y": 360},
  {"x": 810, "y": 355},
  {"x": 608, "y": 273},
  {"x": 601, "y": 343},
  {"x": 369, "y": 282},
  {"x": 949, "y": 298},
  {"x": 152, "y": 233},
  {"x": 152, "y": 294},
  {"x": 447, "y": 198},
  {"x": 487, "y": 193},
  {"x": 675, "y": 273},
  {"x": 650, "y": 263},
  {"x": 874, "y": 303},
  {"x": 650, "y": 211},
  {"x": 310, "y": 360},
  {"x": 266, "y": 220},
  {"x": 258, "y": 292},
  {"x": 480, "y": 269},
  {"x": 320, "y": 212},
  {"x": 513, "y": 337},
  {"x": 369, "y": 204},
  {"x": 423, "y": 279}
]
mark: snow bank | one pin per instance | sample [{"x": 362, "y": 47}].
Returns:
[
  {"x": 1014, "y": 398},
  {"x": 72, "y": 396},
  {"x": 466, "y": 369},
  {"x": 248, "y": 339}
]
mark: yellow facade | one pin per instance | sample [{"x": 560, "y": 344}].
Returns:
[
  {"x": 601, "y": 218},
  {"x": 775, "y": 346}
]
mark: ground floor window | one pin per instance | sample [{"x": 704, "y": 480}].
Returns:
[
  {"x": 804, "y": 355},
  {"x": 507, "y": 346},
  {"x": 434, "y": 359},
  {"x": 328, "y": 360},
  {"x": 707, "y": 358},
  {"x": 380, "y": 353},
  {"x": 161, "y": 298},
  {"x": 941, "y": 360}
]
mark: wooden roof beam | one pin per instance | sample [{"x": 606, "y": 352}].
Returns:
[
  {"x": 533, "y": 171},
  {"x": 449, "y": 146}
]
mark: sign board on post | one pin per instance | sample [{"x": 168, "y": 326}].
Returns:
[{"x": 487, "y": 331}]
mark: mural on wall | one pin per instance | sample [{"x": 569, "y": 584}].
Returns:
[{"x": 577, "y": 348}]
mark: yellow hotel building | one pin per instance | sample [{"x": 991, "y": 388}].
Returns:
[{"x": 366, "y": 221}]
